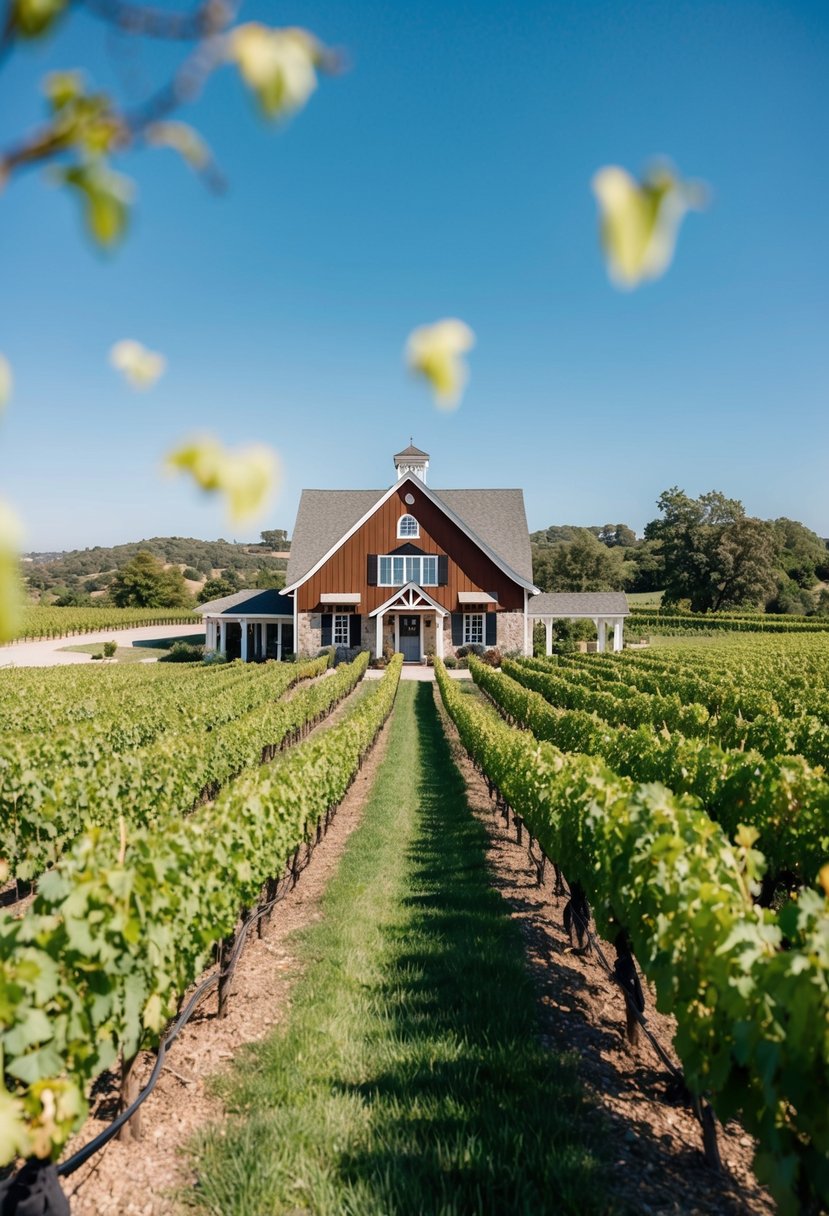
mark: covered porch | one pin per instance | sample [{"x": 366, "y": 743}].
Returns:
[
  {"x": 606, "y": 609},
  {"x": 250, "y": 625},
  {"x": 411, "y": 622}
]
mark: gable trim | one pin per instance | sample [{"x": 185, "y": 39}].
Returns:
[
  {"x": 412, "y": 588},
  {"x": 442, "y": 506}
]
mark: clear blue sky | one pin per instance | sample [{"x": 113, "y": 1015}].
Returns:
[{"x": 447, "y": 173}]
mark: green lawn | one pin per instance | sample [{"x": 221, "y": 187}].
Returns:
[
  {"x": 645, "y": 599},
  {"x": 410, "y": 1078},
  {"x": 138, "y": 652}
]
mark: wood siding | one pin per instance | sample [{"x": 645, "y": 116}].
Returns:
[{"x": 469, "y": 568}]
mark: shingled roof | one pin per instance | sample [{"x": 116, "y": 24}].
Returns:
[
  {"x": 250, "y": 603},
  {"x": 495, "y": 517},
  {"x": 579, "y": 603}
]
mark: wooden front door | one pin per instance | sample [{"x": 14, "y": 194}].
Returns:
[{"x": 409, "y": 633}]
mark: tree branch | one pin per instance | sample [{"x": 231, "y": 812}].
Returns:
[{"x": 208, "y": 18}]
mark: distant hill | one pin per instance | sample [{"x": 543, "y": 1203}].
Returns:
[{"x": 91, "y": 570}]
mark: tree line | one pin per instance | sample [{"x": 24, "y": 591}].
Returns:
[
  {"x": 69, "y": 579},
  {"x": 705, "y": 553}
]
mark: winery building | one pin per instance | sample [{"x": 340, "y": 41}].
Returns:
[{"x": 409, "y": 569}]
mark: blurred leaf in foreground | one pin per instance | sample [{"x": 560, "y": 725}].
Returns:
[
  {"x": 246, "y": 476},
  {"x": 31, "y": 18},
  {"x": 6, "y": 381},
  {"x": 10, "y": 536},
  {"x": 182, "y": 138},
  {"x": 141, "y": 367},
  {"x": 278, "y": 65},
  {"x": 640, "y": 220},
  {"x": 106, "y": 196},
  {"x": 435, "y": 351}
]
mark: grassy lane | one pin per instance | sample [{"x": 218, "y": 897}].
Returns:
[{"x": 410, "y": 1078}]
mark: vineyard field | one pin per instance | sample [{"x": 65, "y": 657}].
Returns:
[
  {"x": 45, "y": 622},
  {"x": 126, "y": 918},
  {"x": 686, "y": 792}
]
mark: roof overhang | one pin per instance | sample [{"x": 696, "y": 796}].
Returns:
[
  {"x": 476, "y": 597},
  {"x": 447, "y": 511},
  {"x": 247, "y": 616},
  {"x": 409, "y": 593},
  {"x": 343, "y": 597}
]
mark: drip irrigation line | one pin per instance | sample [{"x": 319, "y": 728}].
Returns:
[{"x": 66, "y": 1168}]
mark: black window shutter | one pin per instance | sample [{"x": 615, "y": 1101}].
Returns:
[
  {"x": 371, "y": 577},
  {"x": 491, "y": 627},
  {"x": 457, "y": 629},
  {"x": 355, "y": 627},
  {"x": 443, "y": 569},
  {"x": 327, "y": 622}
]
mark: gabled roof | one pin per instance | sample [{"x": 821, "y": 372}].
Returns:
[
  {"x": 579, "y": 603},
  {"x": 495, "y": 519},
  {"x": 411, "y": 450},
  {"x": 250, "y": 603}
]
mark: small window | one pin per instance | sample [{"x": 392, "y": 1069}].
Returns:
[
  {"x": 430, "y": 572},
  {"x": 473, "y": 628},
  {"x": 408, "y": 526},
  {"x": 342, "y": 632}
]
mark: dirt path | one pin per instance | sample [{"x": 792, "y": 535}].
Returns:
[
  {"x": 656, "y": 1141},
  {"x": 49, "y": 652},
  {"x": 139, "y": 1179}
]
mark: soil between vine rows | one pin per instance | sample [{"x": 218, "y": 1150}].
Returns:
[
  {"x": 139, "y": 1179},
  {"x": 655, "y": 1145},
  {"x": 656, "y": 1142}
]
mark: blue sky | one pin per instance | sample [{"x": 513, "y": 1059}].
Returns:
[{"x": 446, "y": 173}]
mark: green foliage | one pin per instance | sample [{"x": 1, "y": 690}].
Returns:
[
  {"x": 93, "y": 569},
  {"x": 736, "y": 786},
  {"x": 31, "y": 18},
  {"x": 580, "y": 564},
  {"x": 275, "y": 538},
  {"x": 656, "y": 865},
  {"x": 192, "y": 576},
  {"x": 145, "y": 583},
  {"x": 218, "y": 588},
  {"x": 109, "y": 649},
  {"x": 714, "y": 555},
  {"x": 39, "y": 622},
  {"x": 183, "y": 652},
  {"x": 412, "y": 1050},
  {"x": 114, "y": 938},
  {"x": 267, "y": 578},
  {"x": 144, "y": 748}
]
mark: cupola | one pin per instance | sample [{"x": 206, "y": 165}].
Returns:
[{"x": 412, "y": 460}]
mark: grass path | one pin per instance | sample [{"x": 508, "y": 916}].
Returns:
[{"x": 410, "y": 1078}]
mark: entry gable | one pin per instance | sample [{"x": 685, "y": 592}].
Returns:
[
  {"x": 437, "y": 502},
  {"x": 409, "y": 598}
]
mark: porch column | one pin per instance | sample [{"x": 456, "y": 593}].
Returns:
[
  {"x": 602, "y": 631},
  {"x": 439, "y": 639},
  {"x": 223, "y": 637},
  {"x": 619, "y": 634},
  {"x": 548, "y": 629},
  {"x": 378, "y": 641},
  {"x": 278, "y": 641},
  {"x": 244, "y": 629}
]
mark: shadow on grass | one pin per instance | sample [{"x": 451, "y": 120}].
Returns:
[{"x": 476, "y": 1115}]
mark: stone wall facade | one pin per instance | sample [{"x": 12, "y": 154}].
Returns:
[
  {"x": 309, "y": 634},
  {"x": 509, "y": 635},
  {"x": 511, "y": 631}
]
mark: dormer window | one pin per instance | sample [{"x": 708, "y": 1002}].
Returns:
[{"x": 407, "y": 527}]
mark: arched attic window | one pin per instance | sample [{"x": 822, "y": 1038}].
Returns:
[{"x": 407, "y": 527}]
